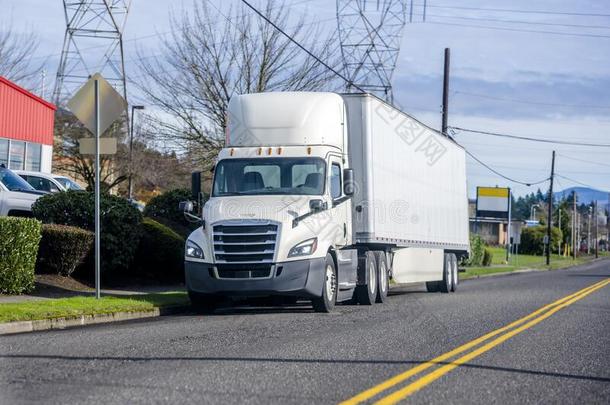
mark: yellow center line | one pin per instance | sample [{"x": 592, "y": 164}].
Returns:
[
  {"x": 438, "y": 373},
  {"x": 371, "y": 392}
]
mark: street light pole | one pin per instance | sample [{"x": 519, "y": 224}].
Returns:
[{"x": 130, "y": 184}]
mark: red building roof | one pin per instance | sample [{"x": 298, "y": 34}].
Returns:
[{"x": 24, "y": 116}]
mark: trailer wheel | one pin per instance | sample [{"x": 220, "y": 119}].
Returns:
[
  {"x": 367, "y": 293},
  {"x": 327, "y": 301},
  {"x": 383, "y": 278},
  {"x": 455, "y": 278},
  {"x": 203, "y": 304},
  {"x": 445, "y": 285}
]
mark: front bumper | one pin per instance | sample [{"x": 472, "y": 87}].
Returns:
[{"x": 302, "y": 278}]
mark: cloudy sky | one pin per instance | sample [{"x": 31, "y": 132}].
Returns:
[{"x": 530, "y": 68}]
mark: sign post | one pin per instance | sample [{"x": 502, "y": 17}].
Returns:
[
  {"x": 96, "y": 134},
  {"x": 97, "y": 105}
]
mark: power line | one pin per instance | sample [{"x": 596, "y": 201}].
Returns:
[
  {"x": 576, "y": 181},
  {"x": 584, "y": 161},
  {"x": 502, "y": 175},
  {"x": 569, "y": 34},
  {"x": 307, "y": 51},
  {"x": 505, "y": 10},
  {"x": 530, "y": 102},
  {"x": 459, "y": 17},
  {"x": 526, "y": 138}
]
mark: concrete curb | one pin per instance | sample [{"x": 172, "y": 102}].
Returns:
[{"x": 10, "y": 328}]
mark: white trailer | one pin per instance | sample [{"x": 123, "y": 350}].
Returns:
[
  {"x": 326, "y": 196},
  {"x": 413, "y": 190}
]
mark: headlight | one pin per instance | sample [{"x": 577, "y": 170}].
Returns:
[
  {"x": 193, "y": 250},
  {"x": 304, "y": 248}
]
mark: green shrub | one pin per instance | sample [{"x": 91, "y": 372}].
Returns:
[
  {"x": 120, "y": 223},
  {"x": 477, "y": 251},
  {"x": 19, "y": 238},
  {"x": 164, "y": 209},
  {"x": 487, "y": 257},
  {"x": 160, "y": 253},
  {"x": 63, "y": 248},
  {"x": 532, "y": 239}
]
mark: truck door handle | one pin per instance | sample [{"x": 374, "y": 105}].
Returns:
[{"x": 344, "y": 230}]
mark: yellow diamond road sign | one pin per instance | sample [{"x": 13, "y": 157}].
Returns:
[{"x": 112, "y": 104}]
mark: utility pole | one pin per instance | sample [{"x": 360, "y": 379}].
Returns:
[
  {"x": 596, "y": 236},
  {"x": 589, "y": 229},
  {"x": 446, "y": 92},
  {"x": 559, "y": 225},
  {"x": 550, "y": 215},
  {"x": 574, "y": 226},
  {"x": 508, "y": 238}
]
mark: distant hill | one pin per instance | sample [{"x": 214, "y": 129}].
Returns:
[{"x": 585, "y": 195}]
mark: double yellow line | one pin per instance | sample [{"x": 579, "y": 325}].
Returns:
[{"x": 501, "y": 335}]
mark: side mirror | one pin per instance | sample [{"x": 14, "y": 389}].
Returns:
[
  {"x": 317, "y": 205},
  {"x": 195, "y": 185},
  {"x": 186, "y": 206},
  {"x": 348, "y": 182}
]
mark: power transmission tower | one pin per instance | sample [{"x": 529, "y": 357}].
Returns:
[
  {"x": 94, "y": 28},
  {"x": 370, "y": 33}
]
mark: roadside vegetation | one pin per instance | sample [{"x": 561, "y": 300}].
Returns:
[
  {"x": 137, "y": 249},
  {"x": 522, "y": 261}
]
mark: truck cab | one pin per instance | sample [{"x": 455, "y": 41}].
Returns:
[{"x": 277, "y": 221}]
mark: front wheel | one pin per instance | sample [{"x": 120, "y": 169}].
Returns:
[{"x": 327, "y": 301}]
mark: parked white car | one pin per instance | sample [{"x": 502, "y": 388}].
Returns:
[
  {"x": 48, "y": 182},
  {"x": 16, "y": 194}
]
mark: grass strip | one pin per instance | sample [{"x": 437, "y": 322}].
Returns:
[{"x": 77, "y": 306}]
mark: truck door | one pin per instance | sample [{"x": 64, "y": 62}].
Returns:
[{"x": 340, "y": 205}]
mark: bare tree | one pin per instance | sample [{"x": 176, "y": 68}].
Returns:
[
  {"x": 67, "y": 157},
  {"x": 213, "y": 55},
  {"x": 16, "y": 51}
]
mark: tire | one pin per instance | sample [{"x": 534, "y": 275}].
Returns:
[
  {"x": 383, "y": 277},
  {"x": 203, "y": 304},
  {"x": 445, "y": 285},
  {"x": 366, "y": 294},
  {"x": 455, "y": 279},
  {"x": 432, "y": 286},
  {"x": 327, "y": 301}
]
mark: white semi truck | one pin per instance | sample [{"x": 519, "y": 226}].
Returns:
[{"x": 328, "y": 197}]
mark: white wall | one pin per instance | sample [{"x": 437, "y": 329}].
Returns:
[{"x": 46, "y": 158}]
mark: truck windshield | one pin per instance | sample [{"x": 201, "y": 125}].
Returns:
[
  {"x": 301, "y": 176},
  {"x": 13, "y": 182}
]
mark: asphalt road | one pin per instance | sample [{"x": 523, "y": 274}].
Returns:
[{"x": 292, "y": 355}]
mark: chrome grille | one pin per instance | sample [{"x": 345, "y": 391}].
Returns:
[{"x": 245, "y": 243}]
